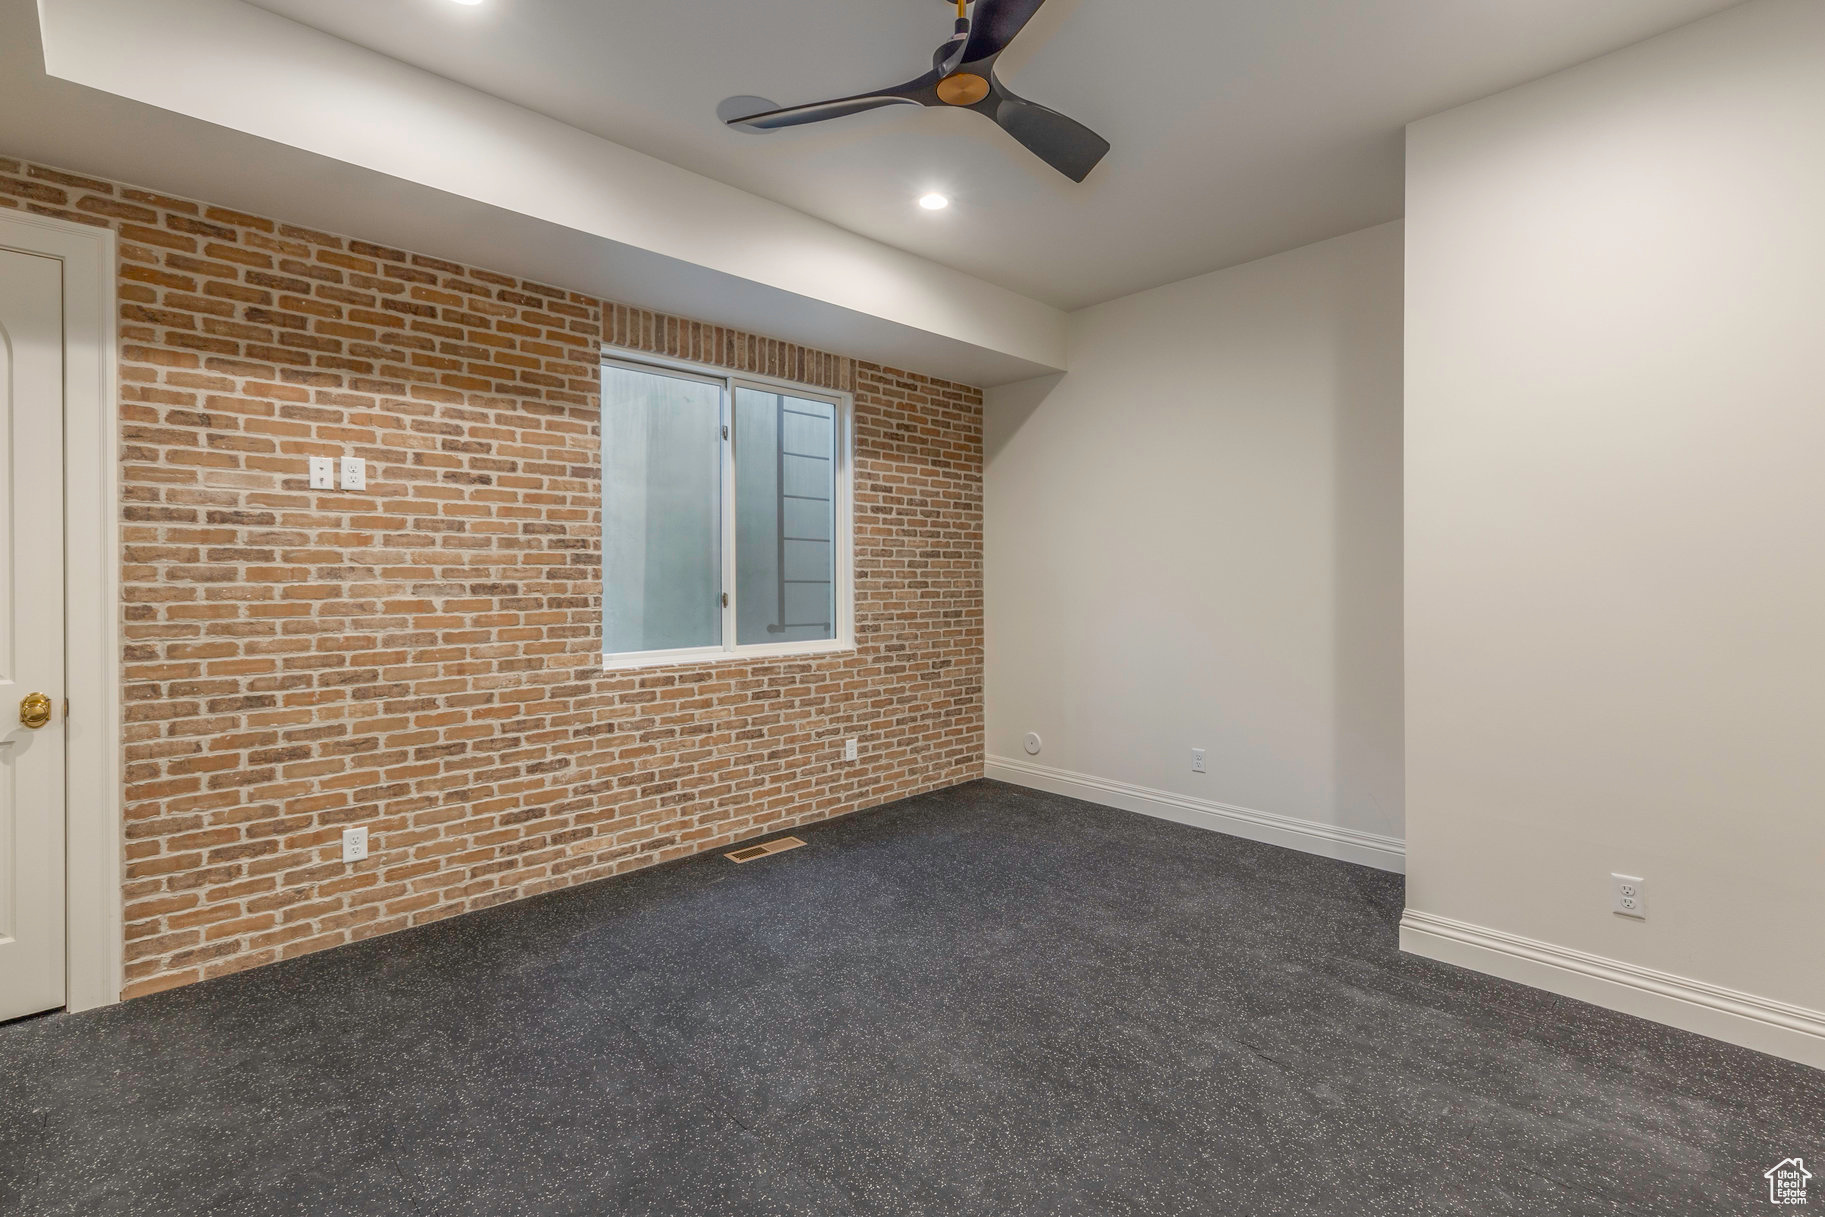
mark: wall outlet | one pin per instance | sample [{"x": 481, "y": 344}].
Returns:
[
  {"x": 851, "y": 749},
  {"x": 323, "y": 473},
  {"x": 1629, "y": 896},
  {"x": 354, "y": 473},
  {"x": 1197, "y": 760},
  {"x": 354, "y": 844}
]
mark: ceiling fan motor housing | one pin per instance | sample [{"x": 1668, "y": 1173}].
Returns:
[{"x": 963, "y": 89}]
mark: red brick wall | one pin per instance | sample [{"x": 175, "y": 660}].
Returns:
[{"x": 424, "y": 657}]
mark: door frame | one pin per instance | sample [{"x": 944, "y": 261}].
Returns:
[{"x": 93, "y": 795}]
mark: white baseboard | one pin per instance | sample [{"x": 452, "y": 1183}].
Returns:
[
  {"x": 1792, "y": 1032},
  {"x": 1308, "y": 836}
]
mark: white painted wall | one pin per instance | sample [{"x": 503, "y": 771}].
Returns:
[
  {"x": 1615, "y": 559},
  {"x": 1193, "y": 540}
]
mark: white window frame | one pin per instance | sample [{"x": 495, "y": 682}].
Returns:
[{"x": 729, "y": 651}]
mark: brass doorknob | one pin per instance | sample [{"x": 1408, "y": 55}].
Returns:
[{"x": 35, "y": 710}]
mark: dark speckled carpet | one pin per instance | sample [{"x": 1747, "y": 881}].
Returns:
[{"x": 982, "y": 1001}]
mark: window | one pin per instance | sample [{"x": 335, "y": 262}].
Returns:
[{"x": 725, "y": 516}]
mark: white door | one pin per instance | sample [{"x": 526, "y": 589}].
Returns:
[{"x": 31, "y": 635}]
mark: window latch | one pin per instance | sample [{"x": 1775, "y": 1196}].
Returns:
[
  {"x": 725, "y": 430},
  {"x": 725, "y": 600}
]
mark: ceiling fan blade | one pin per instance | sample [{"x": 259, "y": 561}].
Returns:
[
  {"x": 993, "y": 24},
  {"x": 912, "y": 93},
  {"x": 1063, "y": 143}
]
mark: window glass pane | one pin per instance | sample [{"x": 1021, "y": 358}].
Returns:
[
  {"x": 661, "y": 512},
  {"x": 785, "y": 518}
]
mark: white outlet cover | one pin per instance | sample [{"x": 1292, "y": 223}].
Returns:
[
  {"x": 354, "y": 844},
  {"x": 1629, "y": 896},
  {"x": 851, "y": 749},
  {"x": 323, "y": 473},
  {"x": 354, "y": 473},
  {"x": 1033, "y": 743},
  {"x": 1197, "y": 760}
]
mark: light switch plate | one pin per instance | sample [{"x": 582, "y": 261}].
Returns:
[
  {"x": 354, "y": 473},
  {"x": 850, "y": 749},
  {"x": 323, "y": 473}
]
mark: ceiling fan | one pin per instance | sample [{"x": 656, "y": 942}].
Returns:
[{"x": 962, "y": 74}]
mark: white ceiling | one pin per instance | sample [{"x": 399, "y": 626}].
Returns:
[
  {"x": 1240, "y": 127},
  {"x": 272, "y": 118}
]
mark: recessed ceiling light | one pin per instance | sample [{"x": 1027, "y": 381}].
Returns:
[
  {"x": 468, "y": 1},
  {"x": 934, "y": 201}
]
